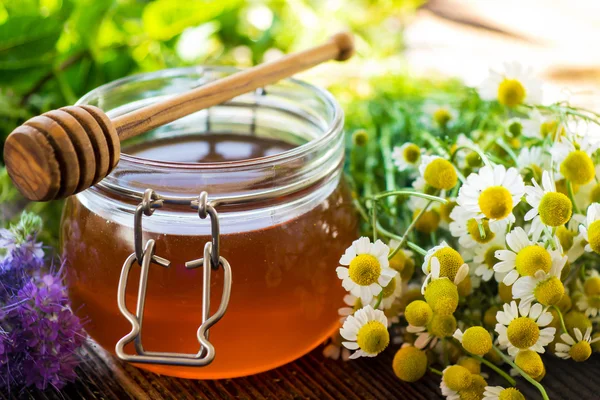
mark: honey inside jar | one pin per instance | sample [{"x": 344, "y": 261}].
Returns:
[{"x": 283, "y": 250}]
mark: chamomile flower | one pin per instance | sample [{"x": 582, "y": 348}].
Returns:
[
  {"x": 541, "y": 126},
  {"x": 410, "y": 363},
  {"x": 441, "y": 115},
  {"x": 492, "y": 193},
  {"x": 438, "y": 172},
  {"x": 531, "y": 363},
  {"x": 407, "y": 156},
  {"x": 472, "y": 232},
  {"x": 589, "y": 300},
  {"x": 454, "y": 379},
  {"x": 500, "y": 393},
  {"x": 549, "y": 207},
  {"x": 484, "y": 259},
  {"x": 391, "y": 293},
  {"x": 366, "y": 332},
  {"x": 368, "y": 270},
  {"x": 519, "y": 328},
  {"x": 476, "y": 340},
  {"x": 443, "y": 261},
  {"x": 440, "y": 326},
  {"x": 524, "y": 257},
  {"x": 590, "y": 229},
  {"x": 418, "y": 313},
  {"x": 513, "y": 86},
  {"x": 532, "y": 161},
  {"x": 545, "y": 288},
  {"x": 577, "y": 348},
  {"x": 574, "y": 158}
]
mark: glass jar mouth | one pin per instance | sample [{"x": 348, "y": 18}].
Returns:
[{"x": 335, "y": 122}]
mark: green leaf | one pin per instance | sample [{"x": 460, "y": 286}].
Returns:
[
  {"x": 164, "y": 19},
  {"x": 28, "y": 38}
]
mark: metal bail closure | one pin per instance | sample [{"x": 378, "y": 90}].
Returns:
[{"x": 206, "y": 354}]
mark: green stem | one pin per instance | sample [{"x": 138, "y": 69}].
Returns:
[
  {"x": 480, "y": 153},
  {"x": 390, "y": 179},
  {"x": 382, "y": 195},
  {"x": 572, "y": 196},
  {"x": 409, "y": 230},
  {"x": 560, "y": 316},
  {"x": 436, "y": 371},
  {"x": 497, "y": 369},
  {"x": 374, "y": 218},
  {"x": 409, "y": 244},
  {"x": 416, "y": 248},
  {"x": 379, "y": 298},
  {"x": 508, "y": 150},
  {"x": 523, "y": 373}
]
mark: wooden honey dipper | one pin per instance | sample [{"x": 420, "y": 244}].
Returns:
[{"x": 65, "y": 151}]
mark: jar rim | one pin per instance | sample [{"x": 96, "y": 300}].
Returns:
[{"x": 329, "y": 134}]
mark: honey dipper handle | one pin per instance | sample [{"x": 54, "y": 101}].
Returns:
[{"x": 340, "y": 47}]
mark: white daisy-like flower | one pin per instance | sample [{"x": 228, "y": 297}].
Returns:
[
  {"x": 438, "y": 172},
  {"x": 492, "y": 193},
  {"x": 500, "y": 393},
  {"x": 472, "y": 232},
  {"x": 368, "y": 269},
  {"x": 589, "y": 299},
  {"x": 518, "y": 328},
  {"x": 407, "y": 156},
  {"x": 549, "y": 207},
  {"x": 442, "y": 116},
  {"x": 513, "y": 86},
  {"x": 484, "y": 259},
  {"x": 533, "y": 160},
  {"x": 443, "y": 261},
  {"x": 540, "y": 126},
  {"x": 545, "y": 288},
  {"x": 391, "y": 293},
  {"x": 524, "y": 257},
  {"x": 577, "y": 348},
  {"x": 366, "y": 332},
  {"x": 573, "y": 158},
  {"x": 590, "y": 229}
]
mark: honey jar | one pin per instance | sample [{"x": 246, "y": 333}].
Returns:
[{"x": 230, "y": 221}]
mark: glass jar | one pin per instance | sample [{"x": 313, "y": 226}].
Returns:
[{"x": 283, "y": 249}]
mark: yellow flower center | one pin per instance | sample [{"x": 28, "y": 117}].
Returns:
[
  {"x": 594, "y": 236},
  {"x": 364, "y": 269},
  {"x": 523, "y": 332},
  {"x": 565, "y": 237},
  {"x": 442, "y": 296},
  {"x": 489, "y": 258},
  {"x": 576, "y": 319},
  {"x": 496, "y": 202},
  {"x": 578, "y": 167},
  {"x": 475, "y": 390},
  {"x": 411, "y": 153},
  {"x": 511, "y": 92},
  {"x": 580, "y": 351},
  {"x": 549, "y": 292},
  {"x": 457, "y": 377},
  {"x": 477, "y": 340},
  {"x": 555, "y": 209},
  {"x": 429, "y": 221},
  {"x": 450, "y": 261},
  {"x": 530, "y": 362},
  {"x": 398, "y": 262},
  {"x": 474, "y": 230},
  {"x": 550, "y": 128},
  {"x": 389, "y": 289},
  {"x": 418, "y": 313},
  {"x": 373, "y": 337},
  {"x": 442, "y": 116},
  {"x": 446, "y": 210},
  {"x": 440, "y": 174},
  {"x": 531, "y": 259},
  {"x": 357, "y": 305},
  {"x": 511, "y": 394},
  {"x": 591, "y": 286},
  {"x": 442, "y": 325},
  {"x": 410, "y": 364},
  {"x": 595, "y": 194},
  {"x": 471, "y": 364},
  {"x": 594, "y": 301},
  {"x": 408, "y": 271},
  {"x": 465, "y": 286}
]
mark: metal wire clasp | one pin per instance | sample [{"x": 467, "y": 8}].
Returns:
[{"x": 206, "y": 354}]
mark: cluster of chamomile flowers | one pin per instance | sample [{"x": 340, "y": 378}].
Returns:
[{"x": 515, "y": 226}]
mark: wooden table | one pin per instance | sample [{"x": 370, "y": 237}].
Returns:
[{"x": 102, "y": 376}]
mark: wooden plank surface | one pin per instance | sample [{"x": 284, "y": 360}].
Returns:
[{"x": 101, "y": 376}]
